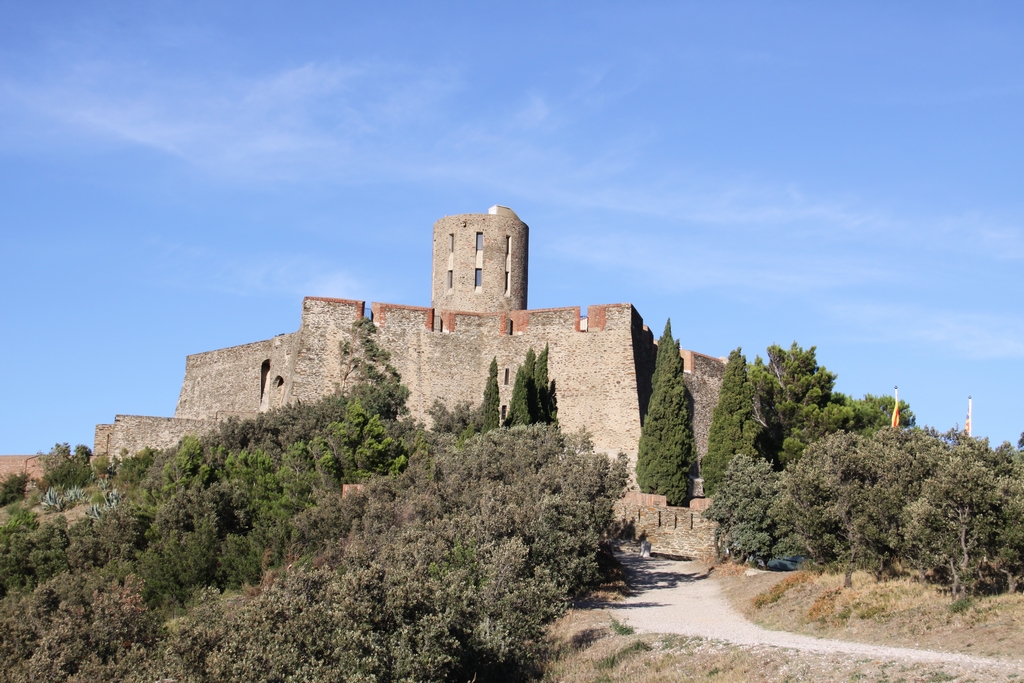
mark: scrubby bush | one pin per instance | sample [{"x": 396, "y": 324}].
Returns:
[
  {"x": 946, "y": 505},
  {"x": 12, "y": 489},
  {"x": 742, "y": 508},
  {"x": 447, "y": 565},
  {"x": 447, "y": 571},
  {"x": 132, "y": 470},
  {"x": 63, "y": 469}
]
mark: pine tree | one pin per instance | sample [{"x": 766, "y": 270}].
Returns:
[
  {"x": 492, "y": 400},
  {"x": 666, "y": 441},
  {"x": 545, "y": 390},
  {"x": 794, "y": 402},
  {"x": 733, "y": 428}
]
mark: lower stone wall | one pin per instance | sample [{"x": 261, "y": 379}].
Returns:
[
  {"x": 131, "y": 433},
  {"x": 677, "y": 531},
  {"x": 18, "y": 464}
]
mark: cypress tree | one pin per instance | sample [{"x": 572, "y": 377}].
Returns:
[
  {"x": 529, "y": 368},
  {"x": 666, "y": 441},
  {"x": 492, "y": 401},
  {"x": 519, "y": 406},
  {"x": 733, "y": 428},
  {"x": 544, "y": 389}
]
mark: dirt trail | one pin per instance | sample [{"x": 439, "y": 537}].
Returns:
[{"x": 679, "y": 597}]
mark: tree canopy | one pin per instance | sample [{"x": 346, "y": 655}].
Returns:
[
  {"x": 492, "y": 399},
  {"x": 533, "y": 395},
  {"x": 733, "y": 427},
  {"x": 666, "y": 450}
]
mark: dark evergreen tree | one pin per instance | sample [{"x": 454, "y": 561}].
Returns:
[
  {"x": 529, "y": 372},
  {"x": 492, "y": 401},
  {"x": 733, "y": 428},
  {"x": 519, "y": 406},
  {"x": 666, "y": 441},
  {"x": 794, "y": 402},
  {"x": 545, "y": 389}
]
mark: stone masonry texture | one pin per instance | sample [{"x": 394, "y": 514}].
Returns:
[
  {"x": 20, "y": 464},
  {"x": 602, "y": 363},
  {"x": 505, "y": 241},
  {"x": 677, "y": 531}
]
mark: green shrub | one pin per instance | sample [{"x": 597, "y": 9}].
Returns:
[
  {"x": 63, "y": 469},
  {"x": 132, "y": 470},
  {"x": 446, "y": 566},
  {"x": 621, "y": 629},
  {"x": 12, "y": 489}
]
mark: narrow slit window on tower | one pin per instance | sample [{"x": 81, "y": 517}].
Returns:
[
  {"x": 509, "y": 329},
  {"x": 450, "y": 278},
  {"x": 506, "y": 375},
  {"x": 479, "y": 241},
  {"x": 451, "y": 242},
  {"x": 504, "y": 411},
  {"x": 508, "y": 265},
  {"x": 479, "y": 277}
]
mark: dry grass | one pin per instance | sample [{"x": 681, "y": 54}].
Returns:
[
  {"x": 898, "y": 612},
  {"x": 585, "y": 647},
  {"x": 775, "y": 593}
]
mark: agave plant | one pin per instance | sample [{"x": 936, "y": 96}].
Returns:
[
  {"x": 103, "y": 484},
  {"x": 94, "y": 511},
  {"x": 113, "y": 498},
  {"x": 52, "y": 500},
  {"x": 74, "y": 494}
]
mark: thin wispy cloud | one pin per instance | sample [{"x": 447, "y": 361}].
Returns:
[
  {"x": 307, "y": 121},
  {"x": 189, "y": 267},
  {"x": 980, "y": 336},
  {"x": 377, "y": 122}
]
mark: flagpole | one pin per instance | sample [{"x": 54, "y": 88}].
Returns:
[{"x": 970, "y": 416}]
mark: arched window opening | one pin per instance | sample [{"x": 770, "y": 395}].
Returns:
[{"x": 264, "y": 371}]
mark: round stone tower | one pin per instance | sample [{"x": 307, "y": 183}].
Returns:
[{"x": 480, "y": 262}]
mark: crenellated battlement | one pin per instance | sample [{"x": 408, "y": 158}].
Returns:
[{"x": 599, "y": 318}]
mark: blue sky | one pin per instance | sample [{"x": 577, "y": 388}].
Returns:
[{"x": 176, "y": 176}]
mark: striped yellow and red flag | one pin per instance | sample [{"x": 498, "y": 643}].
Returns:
[{"x": 896, "y": 410}]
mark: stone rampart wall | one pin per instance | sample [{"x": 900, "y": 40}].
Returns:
[
  {"x": 601, "y": 365},
  {"x": 20, "y": 464},
  {"x": 317, "y": 368},
  {"x": 594, "y": 372},
  {"x": 131, "y": 433},
  {"x": 226, "y": 379},
  {"x": 677, "y": 531},
  {"x": 102, "y": 438}
]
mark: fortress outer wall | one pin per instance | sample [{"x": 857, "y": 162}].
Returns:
[{"x": 595, "y": 369}]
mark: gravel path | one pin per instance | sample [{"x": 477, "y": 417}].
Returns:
[{"x": 678, "y": 597}]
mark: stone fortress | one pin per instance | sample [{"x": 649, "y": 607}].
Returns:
[{"x": 602, "y": 363}]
